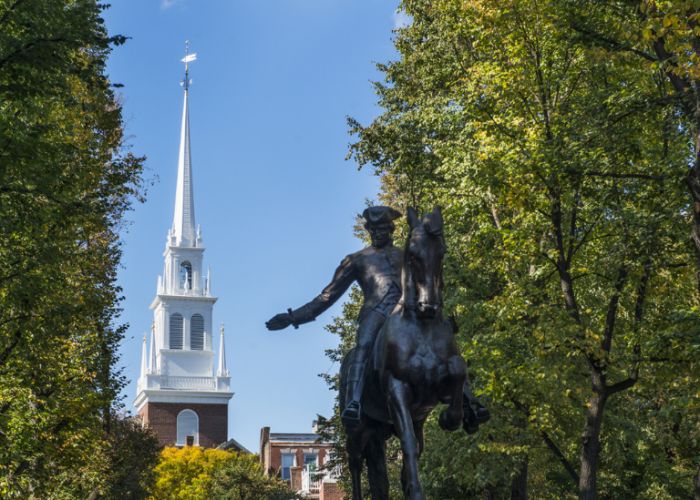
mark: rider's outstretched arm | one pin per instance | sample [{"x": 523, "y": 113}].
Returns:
[{"x": 342, "y": 279}]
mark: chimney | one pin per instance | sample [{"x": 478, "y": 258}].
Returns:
[{"x": 264, "y": 440}]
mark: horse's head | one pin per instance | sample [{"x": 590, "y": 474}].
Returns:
[{"x": 423, "y": 263}]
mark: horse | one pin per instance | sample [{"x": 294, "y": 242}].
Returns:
[{"x": 415, "y": 365}]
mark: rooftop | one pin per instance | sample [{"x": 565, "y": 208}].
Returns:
[{"x": 294, "y": 437}]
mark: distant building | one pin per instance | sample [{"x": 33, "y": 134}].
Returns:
[
  {"x": 302, "y": 460},
  {"x": 179, "y": 395},
  {"x": 233, "y": 445}
]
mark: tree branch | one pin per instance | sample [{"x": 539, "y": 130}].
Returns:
[
  {"x": 611, "y": 315},
  {"x": 621, "y": 386},
  {"x": 550, "y": 444},
  {"x": 681, "y": 85},
  {"x": 558, "y": 453},
  {"x": 573, "y": 222},
  {"x": 595, "y": 173},
  {"x": 611, "y": 43}
]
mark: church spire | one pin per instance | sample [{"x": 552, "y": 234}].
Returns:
[
  {"x": 180, "y": 368},
  {"x": 184, "y": 226}
]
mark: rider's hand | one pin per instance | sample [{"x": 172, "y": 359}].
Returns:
[{"x": 279, "y": 321}]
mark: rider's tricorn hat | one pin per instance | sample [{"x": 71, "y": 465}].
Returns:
[{"x": 375, "y": 216}]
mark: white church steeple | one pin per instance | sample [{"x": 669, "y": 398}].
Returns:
[
  {"x": 184, "y": 227},
  {"x": 180, "y": 368}
]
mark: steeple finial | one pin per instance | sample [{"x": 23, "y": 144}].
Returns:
[
  {"x": 188, "y": 59},
  {"x": 222, "y": 371},
  {"x": 183, "y": 219}
]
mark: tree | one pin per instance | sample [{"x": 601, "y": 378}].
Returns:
[
  {"x": 66, "y": 182},
  {"x": 568, "y": 272},
  {"x": 663, "y": 37},
  {"x": 133, "y": 455},
  {"x": 197, "y": 473},
  {"x": 244, "y": 478}
]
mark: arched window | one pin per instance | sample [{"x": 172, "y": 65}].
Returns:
[
  {"x": 197, "y": 332},
  {"x": 187, "y": 428},
  {"x": 176, "y": 331},
  {"x": 186, "y": 276}
]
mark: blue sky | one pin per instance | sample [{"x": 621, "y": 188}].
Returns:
[{"x": 276, "y": 200}]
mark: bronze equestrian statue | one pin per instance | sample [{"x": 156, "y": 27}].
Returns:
[
  {"x": 415, "y": 366},
  {"x": 414, "y": 361}
]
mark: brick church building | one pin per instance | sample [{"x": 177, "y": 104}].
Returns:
[{"x": 180, "y": 394}]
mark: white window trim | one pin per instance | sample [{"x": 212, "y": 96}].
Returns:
[{"x": 177, "y": 434}]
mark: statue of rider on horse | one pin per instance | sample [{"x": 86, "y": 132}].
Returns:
[{"x": 405, "y": 360}]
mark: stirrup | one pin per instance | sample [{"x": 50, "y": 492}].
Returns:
[{"x": 351, "y": 413}]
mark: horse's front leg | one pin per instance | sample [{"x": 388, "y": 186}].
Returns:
[
  {"x": 451, "y": 418},
  {"x": 403, "y": 425}
]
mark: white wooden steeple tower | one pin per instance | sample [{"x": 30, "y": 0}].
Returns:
[{"x": 179, "y": 393}]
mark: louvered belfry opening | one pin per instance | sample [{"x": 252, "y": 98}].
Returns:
[
  {"x": 176, "y": 331},
  {"x": 197, "y": 332}
]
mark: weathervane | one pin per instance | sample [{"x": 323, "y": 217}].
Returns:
[{"x": 187, "y": 59}]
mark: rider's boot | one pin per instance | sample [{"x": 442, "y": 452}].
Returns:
[
  {"x": 351, "y": 413},
  {"x": 474, "y": 412}
]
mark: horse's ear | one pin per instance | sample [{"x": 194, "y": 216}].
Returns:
[{"x": 412, "y": 216}]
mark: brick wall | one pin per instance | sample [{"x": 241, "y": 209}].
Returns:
[
  {"x": 330, "y": 491},
  {"x": 162, "y": 418},
  {"x": 295, "y": 478},
  {"x": 275, "y": 457}
]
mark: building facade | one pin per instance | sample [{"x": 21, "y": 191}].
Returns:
[
  {"x": 179, "y": 394},
  {"x": 302, "y": 460}
]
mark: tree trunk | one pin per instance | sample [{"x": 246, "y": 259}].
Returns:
[
  {"x": 591, "y": 445},
  {"x": 697, "y": 484},
  {"x": 518, "y": 488},
  {"x": 693, "y": 181},
  {"x": 489, "y": 493}
]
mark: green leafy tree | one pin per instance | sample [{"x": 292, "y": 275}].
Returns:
[
  {"x": 133, "y": 453},
  {"x": 565, "y": 198},
  {"x": 195, "y": 473},
  {"x": 663, "y": 38},
  {"x": 66, "y": 182},
  {"x": 244, "y": 478}
]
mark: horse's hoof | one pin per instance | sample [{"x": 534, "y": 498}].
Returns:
[
  {"x": 472, "y": 419},
  {"x": 481, "y": 415},
  {"x": 415, "y": 494},
  {"x": 448, "y": 422},
  {"x": 474, "y": 410},
  {"x": 470, "y": 427}
]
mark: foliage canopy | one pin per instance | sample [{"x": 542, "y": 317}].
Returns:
[
  {"x": 66, "y": 182},
  {"x": 195, "y": 473},
  {"x": 562, "y": 169}
]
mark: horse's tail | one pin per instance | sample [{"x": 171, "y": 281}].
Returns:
[{"x": 375, "y": 454}]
